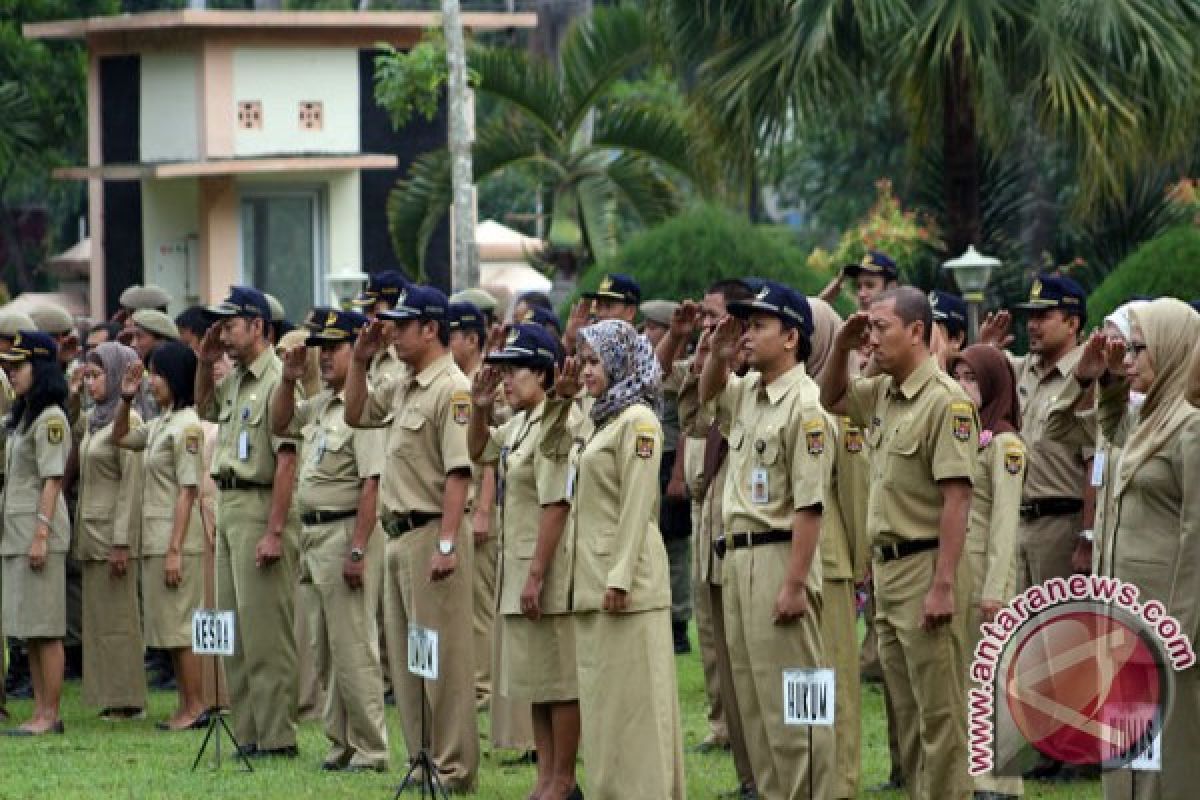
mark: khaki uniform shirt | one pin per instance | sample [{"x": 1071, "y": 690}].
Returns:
[
  {"x": 921, "y": 432},
  {"x": 427, "y": 437},
  {"x": 848, "y": 558},
  {"x": 110, "y": 495},
  {"x": 172, "y": 447},
  {"x": 1056, "y": 467},
  {"x": 336, "y": 458},
  {"x": 995, "y": 514},
  {"x": 245, "y": 447},
  {"x": 613, "y": 483},
  {"x": 32, "y": 456},
  {"x": 780, "y": 454},
  {"x": 531, "y": 452}
]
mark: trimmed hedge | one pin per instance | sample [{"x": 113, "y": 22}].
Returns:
[{"x": 1168, "y": 265}]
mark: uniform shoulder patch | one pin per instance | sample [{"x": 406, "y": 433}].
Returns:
[
  {"x": 460, "y": 406},
  {"x": 853, "y": 437},
  {"x": 1014, "y": 459},
  {"x": 962, "y": 415},
  {"x": 646, "y": 434},
  {"x": 814, "y": 436},
  {"x": 193, "y": 440},
  {"x": 56, "y": 431}
]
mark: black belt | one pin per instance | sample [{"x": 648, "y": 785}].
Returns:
[
  {"x": 399, "y": 524},
  {"x": 1050, "y": 507},
  {"x": 735, "y": 541},
  {"x": 230, "y": 482},
  {"x": 321, "y": 517},
  {"x": 898, "y": 550}
]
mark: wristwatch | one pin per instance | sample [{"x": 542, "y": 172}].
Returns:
[
  {"x": 356, "y": 554},
  {"x": 446, "y": 547},
  {"x": 1087, "y": 535}
]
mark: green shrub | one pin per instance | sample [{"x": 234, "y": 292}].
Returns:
[
  {"x": 686, "y": 254},
  {"x": 1167, "y": 265}
]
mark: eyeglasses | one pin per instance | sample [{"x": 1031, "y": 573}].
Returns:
[{"x": 1137, "y": 348}]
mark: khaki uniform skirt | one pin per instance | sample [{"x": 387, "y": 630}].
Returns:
[
  {"x": 168, "y": 612},
  {"x": 35, "y": 603},
  {"x": 113, "y": 675},
  {"x": 537, "y": 660}
]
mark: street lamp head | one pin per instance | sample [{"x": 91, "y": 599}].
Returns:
[
  {"x": 971, "y": 271},
  {"x": 345, "y": 285}
]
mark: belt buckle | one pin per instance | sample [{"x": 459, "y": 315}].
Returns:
[{"x": 889, "y": 552}]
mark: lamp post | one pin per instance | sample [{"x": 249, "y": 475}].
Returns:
[
  {"x": 971, "y": 272},
  {"x": 345, "y": 285}
]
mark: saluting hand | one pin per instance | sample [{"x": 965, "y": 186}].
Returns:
[
  {"x": 566, "y": 379},
  {"x": 791, "y": 603},
  {"x": 1091, "y": 359},
  {"x": 725, "y": 337},
  {"x": 211, "y": 348},
  {"x": 495, "y": 338},
  {"x": 581, "y": 315},
  {"x": 1114, "y": 355},
  {"x": 683, "y": 319},
  {"x": 483, "y": 387},
  {"x": 938, "y": 607},
  {"x": 853, "y": 333},
  {"x": 295, "y": 363},
  {"x": 369, "y": 342},
  {"x": 995, "y": 329},
  {"x": 131, "y": 380}
]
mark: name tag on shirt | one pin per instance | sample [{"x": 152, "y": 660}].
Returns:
[
  {"x": 571, "y": 482},
  {"x": 1098, "y": 468},
  {"x": 808, "y": 696},
  {"x": 759, "y": 488},
  {"x": 243, "y": 446}
]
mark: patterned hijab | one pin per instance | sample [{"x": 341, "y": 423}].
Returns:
[
  {"x": 114, "y": 358},
  {"x": 630, "y": 365}
]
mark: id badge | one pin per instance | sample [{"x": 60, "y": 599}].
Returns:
[
  {"x": 319, "y": 451},
  {"x": 759, "y": 488},
  {"x": 1098, "y": 468},
  {"x": 243, "y": 446},
  {"x": 571, "y": 482}
]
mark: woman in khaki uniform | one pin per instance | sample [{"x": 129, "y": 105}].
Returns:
[
  {"x": 106, "y": 544},
  {"x": 537, "y": 638},
  {"x": 1154, "y": 535},
  {"x": 621, "y": 595},
  {"x": 991, "y": 547},
  {"x": 173, "y": 539},
  {"x": 36, "y": 532}
]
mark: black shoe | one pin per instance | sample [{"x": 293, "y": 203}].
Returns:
[
  {"x": 57, "y": 728},
  {"x": 1046, "y": 769},
  {"x": 993, "y": 796},
  {"x": 21, "y": 691},
  {"x": 288, "y": 751},
  {"x": 247, "y": 750},
  {"x": 198, "y": 724},
  {"x": 679, "y": 636},
  {"x": 576, "y": 793},
  {"x": 710, "y": 746},
  {"x": 894, "y": 784},
  {"x": 528, "y": 758},
  {"x": 1072, "y": 773}
]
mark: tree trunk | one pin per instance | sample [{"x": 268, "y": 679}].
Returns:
[
  {"x": 960, "y": 156},
  {"x": 465, "y": 270}
]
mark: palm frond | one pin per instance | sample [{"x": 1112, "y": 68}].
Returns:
[
  {"x": 525, "y": 83},
  {"x": 597, "y": 51}
]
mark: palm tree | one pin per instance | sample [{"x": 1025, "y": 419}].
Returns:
[
  {"x": 1115, "y": 81},
  {"x": 602, "y": 159}
]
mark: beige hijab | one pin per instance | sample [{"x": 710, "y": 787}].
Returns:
[
  {"x": 826, "y": 322},
  {"x": 1193, "y": 390},
  {"x": 1172, "y": 332}
]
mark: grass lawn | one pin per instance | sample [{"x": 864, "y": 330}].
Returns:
[{"x": 132, "y": 760}]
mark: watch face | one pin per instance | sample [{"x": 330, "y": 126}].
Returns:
[
  {"x": 356, "y": 555},
  {"x": 445, "y": 548}
]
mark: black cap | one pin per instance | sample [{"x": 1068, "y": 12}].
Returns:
[
  {"x": 385, "y": 286},
  {"x": 950, "y": 310},
  {"x": 619, "y": 287},
  {"x": 873, "y": 263},
  {"x": 1050, "y": 290},
  {"x": 779, "y": 300},
  {"x": 528, "y": 345},
  {"x": 31, "y": 346},
  {"x": 243, "y": 301},
  {"x": 418, "y": 302},
  {"x": 335, "y": 327},
  {"x": 463, "y": 316},
  {"x": 542, "y": 316}
]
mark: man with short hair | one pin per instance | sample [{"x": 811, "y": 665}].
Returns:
[
  {"x": 192, "y": 323},
  {"x": 255, "y": 473},
  {"x": 616, "y": 297},
  {"x": 423, "y": 495},
  {"x": 872, "y": 276},
  {"x": 924, "y": 434}
]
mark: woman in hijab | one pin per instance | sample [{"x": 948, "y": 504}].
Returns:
[
  {"x": 107, "y": 527},
  {"x": 632, "y": 743},
  {"x": 173, "y": 538},
  {"x": 1155, "y": 539}
]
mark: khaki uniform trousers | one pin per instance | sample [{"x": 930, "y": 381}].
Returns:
[
  {"x": 868, "y": 663},
  {"x": 310, "y": 681},
  {"x": 410, "y": 597},
  {"x": 262, "y": 670},
  {"x": 212, "y": 669},
  {"x": 113, "y": 673},
  {"x": 839, "y": 633},
  {"x": 484, "y": 608},
  {"x": 1044, "y": 548},
  {"x": 1180, "y": 739},
  {"x": 631, "y": 734},
  {"x": 926, "y": 673},
  {"x": 786, "y": 759},
  {"x": 703, "y": 611},
  {"x": 346, "y": 652}
]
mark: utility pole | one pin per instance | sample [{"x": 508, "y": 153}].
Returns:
[{"x": 465, "y": 270}]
